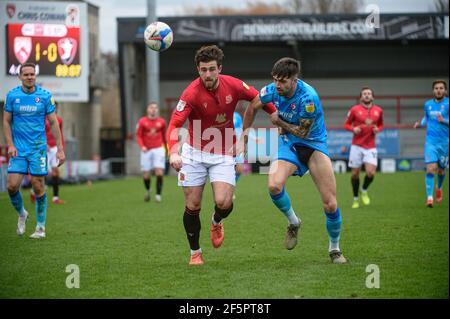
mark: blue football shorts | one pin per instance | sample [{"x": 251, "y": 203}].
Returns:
[
  {"x": 33, "y": 163},
  {"x": 436, "y": 153}
]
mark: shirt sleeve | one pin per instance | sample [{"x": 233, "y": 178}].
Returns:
[
  {"x": 245, "y": 92},
  {"x": 348, "y": 125},
  {"x": 139, "y": 138},
  {"x": 266, "y": 94},
  {"x": 50, "y": 105},
  {"x": 380, "y": 122},
  {"x": 8, "y": 104},
  {"x": 311, "y": 105},
  {"x": 179, "y": 115}
]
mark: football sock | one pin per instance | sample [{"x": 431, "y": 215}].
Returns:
[
  {"x": 355, "y": 185},
  {"x": 440, "y": 180},
  {"x": 55, "y": 182},
  {"x": 429, "y": 184},
  {"x": 192, "y": 226},
  {"x": 220, "y": 214},
  {"x": 159, "y": 183},
  {"x": 334, "y": 221},
  {"x": 238, "y": 176},
  {"x": 367, "y": 181},
  {"x": 17, "y": 202},
  {"x": 41, "y": 210},
  {"x": 196, "y": 251},
  {"x": 147, "y": 184},
  {"x": 283, "y": 202}
]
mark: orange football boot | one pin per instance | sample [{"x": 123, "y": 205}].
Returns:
[{"x": 217, "y": 235}]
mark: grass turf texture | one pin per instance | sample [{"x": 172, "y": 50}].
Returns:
[{"x": 126, "y": 248}]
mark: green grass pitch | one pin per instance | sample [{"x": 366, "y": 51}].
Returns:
[{"x": 126, "y": 248}]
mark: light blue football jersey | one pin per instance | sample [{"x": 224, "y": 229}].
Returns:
[
  {"x": 28, "y": 112},
  {"x": 238, "y": 125},
  {"x": 437, "y": 132},
  {"x": 304, "y": 104}
]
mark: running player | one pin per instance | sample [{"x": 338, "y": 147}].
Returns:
[
  {"x": 436, "y": 141},
  {"x": 26, "y": 107},
  {"x": 301, "y": 147},
  {"x": 208, "y": 102},
  {"x": 365, "y": 120},
  {"x": 151, "y": 137}
]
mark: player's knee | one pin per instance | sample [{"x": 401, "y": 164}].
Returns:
[
  {"x": 223, "y": 203},
  {"x": 12, "y": 189},
  {"x": 431, "y": 170},
  {"x": 275, "y": 188},
  {"x": 330, "y": 205},
  {"x": 370, "y": 174}
]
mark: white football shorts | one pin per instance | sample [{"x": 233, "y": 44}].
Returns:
[
  {"x": 360, "y": 155},
  {"x": 51, "y": 157},
  {"x": 198, "y": 165},
  {"x": 153, "y": 158}
]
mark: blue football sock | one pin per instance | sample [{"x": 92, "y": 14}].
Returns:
[
  {"x": 238, "y": 176},
  {"x": 283, "y": 202},
  {"x": 334, "y": 222},
  {"x": 429, "y": 183},
  {"x": 41, "y": 210},
  {"x": 440, "y": 180},
  {"x": 17, "y": 202}
]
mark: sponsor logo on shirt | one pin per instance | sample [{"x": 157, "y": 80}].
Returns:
[
  {"x": 17, "y": 100},
  {"x": 310, "y": 107},
  {"x": 181, "y": 105},
  {"x": 28, "y": 108}
]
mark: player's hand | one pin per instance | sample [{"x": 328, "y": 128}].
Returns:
[
  {"x": 239, "y": 148},
  {"x": 61, "y": 157},
  {"x": 175, "y": 161},
  {"x": 416, "y": 125},
  {"x": 144, "y": 149},
  {"x": 357, "y": 130},
  {"x": 12, "y": 151},
  {"x": 375, "y": 130},
  {"x": 440, "y": 118}
]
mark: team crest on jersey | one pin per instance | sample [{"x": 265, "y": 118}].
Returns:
[
  {"x": 182, "y": 177},
  {"x": 221, "y": 118},
  {"x": 376, "y": 113},
  {"x": 293, "y": 106},
  {"x": 17, "y": 101},
  {"x": 245, "y": 85},
  {"x": 205, "y": 105},
  {"x": 37, "y": 100},
  {"x": 228, "y": 99},
  {"x": 181, "y": 105},
  {"x": 310, "y": 107}
]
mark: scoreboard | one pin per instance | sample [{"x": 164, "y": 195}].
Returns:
[{"x": 54, "y": 48}]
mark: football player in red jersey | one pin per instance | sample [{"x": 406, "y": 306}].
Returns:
[
  {"x": 151, "y": 137},
  {"x": 365, "y": 120},
  {"x": 208, "y": 103}
]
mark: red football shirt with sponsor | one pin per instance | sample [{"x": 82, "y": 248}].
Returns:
[
  {"x": 366, "y": 119},
  {"x": 51, "y": 141},
  {"x": 151, "y": 133},
  {"x": 210, "y": 114}
]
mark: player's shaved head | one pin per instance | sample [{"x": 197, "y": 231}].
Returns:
[
  {"x": 209, "y": 53},
  {"x": 286, "y": 68}
]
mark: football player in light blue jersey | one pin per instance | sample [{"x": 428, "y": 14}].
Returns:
[
  {"x": 26, "y": 107},
  {"x": 239, "y": 160},
  {"x": 436, "y": 140},
  {"x": 301, "y": 147}
]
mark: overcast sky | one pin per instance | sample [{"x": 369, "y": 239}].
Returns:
[{"x": 111, "y": 9}]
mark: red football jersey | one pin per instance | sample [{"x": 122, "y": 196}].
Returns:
[
  {"x": 210, "y": 114},
  {"x": 151, "y": 133},
  {"x": 51, "y": 141},
  {"x": 366, "y": 119}
]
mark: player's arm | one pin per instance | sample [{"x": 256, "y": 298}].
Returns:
[
  {"x": 443, "y": 119},
  {"x": 378, "y": 127},
  {"x": 424, "y": 119},
  {"x": 58, "y": 137},
  {"x": 7, "y": 118},
  {"x": 139, "y": 136},
  {"x": 164, "y": 138},
  {"x": 301, "y": 130},
  {"x": 348, "y": 125},
  {"x": 179, "y": 117}
]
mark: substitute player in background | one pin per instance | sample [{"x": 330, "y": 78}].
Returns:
[
  {"x": 151, "y": 137},
  {"x": 208, "y": 103},
  {"x": 365, "y": 120},
  {"x": 26, "y": 108},
  {"x": 436, "y": 140},
  {"x": 301, "y": 147}
]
